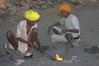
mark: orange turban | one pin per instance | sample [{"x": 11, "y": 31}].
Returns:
[{"x": 65, "y": 7}]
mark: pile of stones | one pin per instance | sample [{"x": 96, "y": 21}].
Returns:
[{"x": 16, "y": 7}]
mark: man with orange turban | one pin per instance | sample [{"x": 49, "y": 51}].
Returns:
[
  {"x": 67, "y": 29},
  {"x": 27, "y": 34}
]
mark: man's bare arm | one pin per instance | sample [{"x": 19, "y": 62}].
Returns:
[
  {"x": 22, "y": 40},
  {"x": 38, "y": 44},
  {"x": 71, "y": 30},
  {"x": 56, "y": 24}
]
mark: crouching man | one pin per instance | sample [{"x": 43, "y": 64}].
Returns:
[
  {"x": 67, "y": 29},
  {"x": 26, "y": 35}
]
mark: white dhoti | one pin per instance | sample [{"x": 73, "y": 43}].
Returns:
[
  {"x": 58, "y": 38},
  {"x": 22, "y": 47},
  {"x": 22, "y": 32},
  {"x": 62, "y": 38}
]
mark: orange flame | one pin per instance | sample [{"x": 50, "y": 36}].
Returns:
[{"x": 58, "y": 57}]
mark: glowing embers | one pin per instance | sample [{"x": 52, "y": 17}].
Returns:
[{"x": 58, "y": 57}]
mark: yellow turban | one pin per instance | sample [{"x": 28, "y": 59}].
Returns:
[
  {"x": 31, "y": 15},
  {"x": 65, "y": 7}
]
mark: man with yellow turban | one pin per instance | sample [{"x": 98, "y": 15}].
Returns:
[
  {"x": 27, "y": 34},
  {"x": 67, "y": 29}
]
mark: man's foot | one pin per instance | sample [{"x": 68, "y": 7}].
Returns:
[
  {"x": 72, "y": 46},
  {"x": 45, "y": 47},
  {"x": 92, "y": 50},
  {"x": 28, "y": 55},
  {"x": 42, "y": 49},
  {"x": 69, "y": 45},
  {"x": 75, "y": 44}
]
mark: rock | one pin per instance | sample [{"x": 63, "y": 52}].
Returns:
[
  {"x": 88, "y": 2},
  {"x": 2, "y": 4},
  {"x": 16, "y": 7},
  {"x": 7, "y": 55},
  {"x": 90, "y": 30}
]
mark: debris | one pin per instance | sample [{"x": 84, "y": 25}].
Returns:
[
  {"x": 94, "y": 49},
  {"x": 7, "y": 55},
  {"x": 15, "y": 6},
  {"x": 2, "y": 4},
  {"x": 75, "y": 59},
  {"x": 19, "y": 61},
  {"x": 88, "y": 2},
  {"x": 90, "y": 30}
]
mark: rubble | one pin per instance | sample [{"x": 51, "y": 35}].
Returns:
[
  {"x": 2, "y": 4},
  {"x": 16, "y": 7},
  {"x": 7, "y": 54},
  {"x": 88, "y": 2}
]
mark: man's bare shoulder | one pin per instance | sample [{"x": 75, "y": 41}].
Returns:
[
  {"x": 22, "y": 22},
  {"x": 73, "y": 16}
]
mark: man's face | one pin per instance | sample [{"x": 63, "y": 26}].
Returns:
[
  {"x": 65, "y": 14},
  {"x": 33, "y": 22}
]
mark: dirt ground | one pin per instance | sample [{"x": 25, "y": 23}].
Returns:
[{"x": 89, "y": 21}]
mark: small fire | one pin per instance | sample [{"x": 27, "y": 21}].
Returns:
[{"x": 58, "y": 57}]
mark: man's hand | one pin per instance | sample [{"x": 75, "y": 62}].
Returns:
[
  {"x": 64, "y": 30},
  {"x": 22, "y": 40},
  {"x": 30, "y": 46},
  {"x": 70, "y": 30},
  {"x": 49, "y": 29}
]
